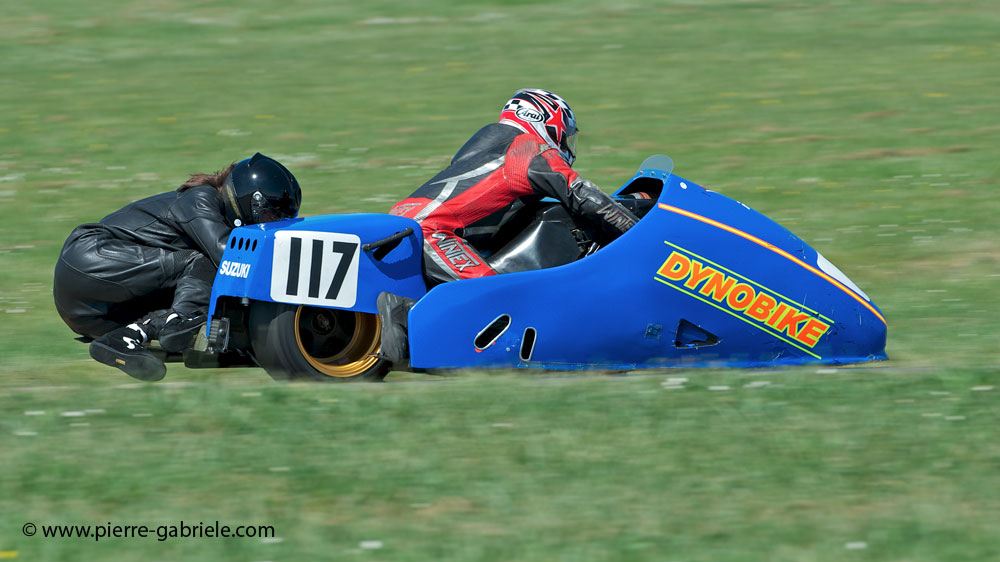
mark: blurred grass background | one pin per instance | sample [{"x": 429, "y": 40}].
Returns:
[{"x": 868, "y": 128}]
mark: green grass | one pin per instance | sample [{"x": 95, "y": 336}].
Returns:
[
  {"x": 766, "y": 465},
  {"x": 868, "y": 128}
]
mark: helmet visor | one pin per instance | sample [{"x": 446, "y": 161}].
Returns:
[
  {"x": 263, "y": 211},
  {"x": 267, "y": 215},
  {"x": 569, "y": 146}
]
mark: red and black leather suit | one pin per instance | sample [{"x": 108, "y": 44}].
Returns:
[{"x": 497, "y": 166}]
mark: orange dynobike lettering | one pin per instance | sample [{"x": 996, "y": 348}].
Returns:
[
  {"x": 676, "y": 267},
  {"x": 789, "y": 320},
  {"x": 741, "y": 296},
  {"x": 812, "y": 331},
  {"x": 698, "y": 274},
  {"x": 789, "y": 323},
  {"x": 718, "y": 286},
  {"x": 778, "y": 312},
  {"x": 761, "y": 307}
]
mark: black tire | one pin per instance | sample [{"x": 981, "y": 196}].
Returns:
[{"x": 321, "y": 344}]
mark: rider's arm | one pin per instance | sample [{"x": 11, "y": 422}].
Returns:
[
  {"x": 549, "y": 175},
  {"x": 200, "y": 214}
]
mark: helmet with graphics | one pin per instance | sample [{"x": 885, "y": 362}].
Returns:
[
  {"x": 259, "y": 189},
  {"x": 547, "y": 116}
]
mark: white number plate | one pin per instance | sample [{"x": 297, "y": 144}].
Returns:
[{"x": 318, "y": 268}]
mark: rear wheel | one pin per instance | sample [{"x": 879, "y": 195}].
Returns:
[{"x": 311, "y": 343}]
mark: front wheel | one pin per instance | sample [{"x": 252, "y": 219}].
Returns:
[{"x": 311, "y": 343}]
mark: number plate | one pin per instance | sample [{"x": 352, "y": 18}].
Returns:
[{"x": 318, "y": 268}]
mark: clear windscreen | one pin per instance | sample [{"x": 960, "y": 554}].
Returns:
[{"x": 660, "y": 162}]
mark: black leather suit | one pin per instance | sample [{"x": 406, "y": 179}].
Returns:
[{"x": 155, "y": 255}]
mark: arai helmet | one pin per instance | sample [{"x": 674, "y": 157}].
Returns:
[{"x": 546, "y": 115}]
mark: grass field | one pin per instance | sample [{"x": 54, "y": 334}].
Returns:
[{"x": 869, "y": 128}]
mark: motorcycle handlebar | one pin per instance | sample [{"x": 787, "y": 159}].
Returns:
[{"x": 386, "y": 245}]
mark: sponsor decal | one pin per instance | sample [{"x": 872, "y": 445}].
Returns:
[
  {"x": 234, "y": 269},
  {"x": 528, "y": 114},
  {"x": 826, "y": 270},
  {"x": 453, "y": 251},
  {"x": 404, "y": 209},
  {"x": 743, "y": 298}
]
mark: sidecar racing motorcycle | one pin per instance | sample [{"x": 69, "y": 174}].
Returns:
[{"x": 701, "y": 280}]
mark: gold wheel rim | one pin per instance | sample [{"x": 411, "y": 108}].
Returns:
[{"x": 354, "y": 358}]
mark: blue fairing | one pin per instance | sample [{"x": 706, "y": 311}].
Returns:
[
  {"x": 321, "y": 261},
  {"x": 701, "y": 280}
]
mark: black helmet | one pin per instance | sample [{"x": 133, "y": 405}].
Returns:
[{"x": 259, "y": 189}]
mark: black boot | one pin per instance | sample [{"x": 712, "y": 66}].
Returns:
[
  {"x": 189, "y": 311},
  {"x": 123, "y": 348},
  {"x": 393, "y": 310},
  {"x": 179, "y": 331}
]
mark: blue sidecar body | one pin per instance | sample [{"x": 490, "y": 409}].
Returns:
[{"x": 701, "y": 280}]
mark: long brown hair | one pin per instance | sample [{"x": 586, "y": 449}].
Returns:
[{"x": 215, "y": 180}]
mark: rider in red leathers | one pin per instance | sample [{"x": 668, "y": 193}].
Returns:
[{"x": 527, "y": 154}]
